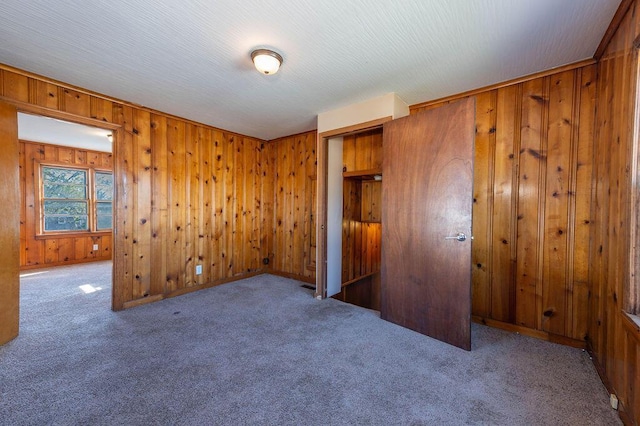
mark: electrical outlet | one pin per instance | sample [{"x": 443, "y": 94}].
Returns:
[
  {"x": 198, "y": 269},
  {"x": 95, "y": 247},
  {"x": 614, "y": 401}
]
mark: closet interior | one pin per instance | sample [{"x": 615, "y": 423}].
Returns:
[{"x": 361, "y": 220}]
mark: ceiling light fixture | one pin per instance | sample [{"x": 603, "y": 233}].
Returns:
[{"x": 266, "y": 61}]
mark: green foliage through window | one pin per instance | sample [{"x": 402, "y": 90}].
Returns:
[
  {"x": 104, "y": 200},
  {"x": 66, "y": 204}
]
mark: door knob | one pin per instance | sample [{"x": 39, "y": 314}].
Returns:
[{"x": 459, "y": 237}]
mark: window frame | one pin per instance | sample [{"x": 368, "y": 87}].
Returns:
[
  {"x": 631, "y": 304},
  {"x": 92, "y": 202},
  {"x": 96, "y": 201}
]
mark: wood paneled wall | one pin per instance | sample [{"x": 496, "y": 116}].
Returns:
[
  {"x": 185, "y": 194},
  {"x": 289, "y": 170},
  {"x": 363, "y": 151},
  {"x": 532, "y": 202},
  {"x": 614, "y": 337},
  {"x": 191, "y": 197},
  {"x": 50, "y": 251}
]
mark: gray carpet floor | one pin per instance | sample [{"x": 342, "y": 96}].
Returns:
[{"x": 263, "y": 351}]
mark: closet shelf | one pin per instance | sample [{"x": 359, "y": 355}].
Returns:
[
  {"x": 358, "y": 278},
  {"x": 363, "y": 174}
]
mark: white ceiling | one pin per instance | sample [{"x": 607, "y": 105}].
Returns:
[
  {"x": 35, "y": 128},
  {"x": 191, "y": 57}
]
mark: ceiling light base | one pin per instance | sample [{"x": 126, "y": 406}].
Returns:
[{"x": 266, "y": 61}]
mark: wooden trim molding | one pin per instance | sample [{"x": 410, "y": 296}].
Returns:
[
  {"x": 622, "y": 411},
  {"x": 90, "y": 199},
  {"x": 322, "y": 151},
  {"x": 632, "y": 324},
  {"x": 291, "y": 136},
  {"x": 57, "y": 235},
  {"x": 507, "y": 83},
  {"x": 632, "y": 296},
  {"x": 296, "y": 277},
  {"x": 186, "y": 290},
  {"x": 34, "y": 109},
  {"x": 542, "y": 335},
  {"x": 9, "y": 226},
  {"x": 60, "y": 115},
  {"x": 613, "y": 27},
  {"x": 356, "y": 128}
]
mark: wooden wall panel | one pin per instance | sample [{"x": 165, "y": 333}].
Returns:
[
  {"x": 38, "y": 252},
  {"x": 362, "y": 151},
  {"x": 160, "y": 205},
  {"x": 556, "y": 251},
  {"x": 9, "y": 229},
  {"x": 15, "y": 86},
  {"x": 361, "y": 254},
  {"x": 218, "y": 178},
  {"x": 142, "y": 204},
  {"x": 532, "y": 204},
  {"x": 503, "y": 238},
  {"x": 583, "y": 203},
  {"x": 287, "y": 211},
  {"x": 122, "y": 290},
  {"x": 186, "y": 194},
  {"x": 205, "y": 206},
  {"x": 485, "y": 144},
  {"x": 614, "y": 338},
  {"x": 177, "y": 199}
]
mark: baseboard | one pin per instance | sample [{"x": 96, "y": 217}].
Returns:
[
  {"x": 180, "y": 292},
  {"x": 186, "y": 290},
  {"x": 525, "y": 331},
  {"x": 622, "y": 413},
  {"x": 56, "y": 264},
  {"x": 310, "y": 280}
]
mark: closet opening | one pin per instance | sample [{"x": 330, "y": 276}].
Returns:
[
  {"x": 348, "y": 232},
  {"x": 361, "y": 219}
]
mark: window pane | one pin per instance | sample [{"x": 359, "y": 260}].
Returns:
[
  {"x": 65, "y": 191},
  {"x": 104, "y": 186},
  {"x": 104, "y": 222},
  {"x": 104, "y": 208},
  {"x": 74, "y": 208},
  {"x": 104, "y": 178},
  {"x": 60, "y": 175},
  {"x": 66, "y": 223}
]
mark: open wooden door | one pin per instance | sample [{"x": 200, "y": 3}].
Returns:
[
  {"x": 10, "y": 224},
  {"x": 427, "y": 196}
]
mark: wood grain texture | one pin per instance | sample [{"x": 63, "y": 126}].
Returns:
[
  {"x": 559, "y": 162},
  {"x": 35, "y": 252},
  {"x": 290, "y": 240},
  {"x": 504, "y": 240},
  {"x": 362, "y": 215},
  {"x": 427, "y": 195},
  {"x": 9, "y": 226},
  {"x": 528, "y": 292},
  {"x": 481, "y": 253},
  {"x": 532, "y": 202},
  {"x": 613, "y": 337},
  {"x": 186, "y": 194}
]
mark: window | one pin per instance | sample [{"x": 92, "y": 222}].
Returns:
[
  {"x": 104, "y": 200},
  {"x": 75, "y": 199}
]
